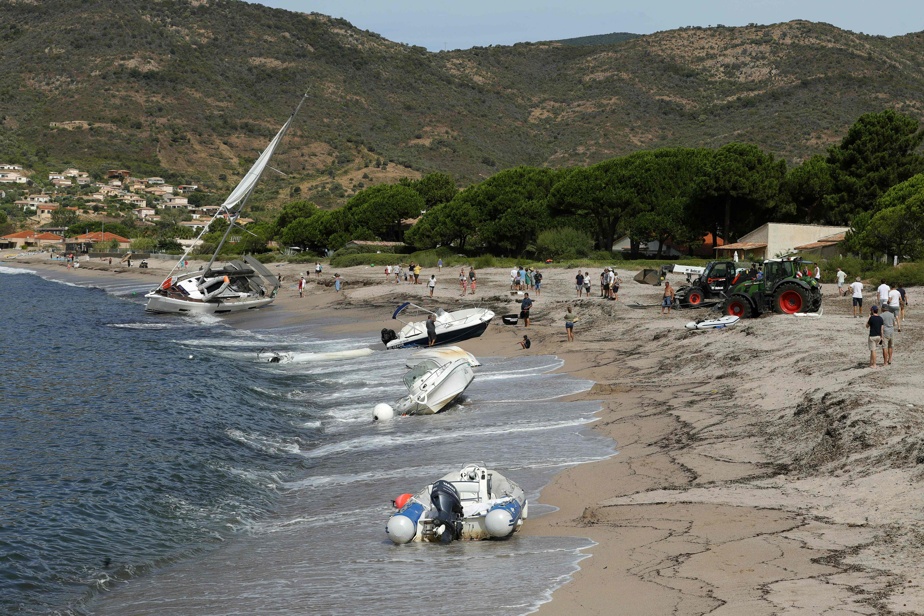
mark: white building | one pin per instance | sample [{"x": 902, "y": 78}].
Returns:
[{"x": 776, "y": 239}]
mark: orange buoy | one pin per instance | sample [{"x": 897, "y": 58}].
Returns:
[
  {"x": 401, "y": 500},
  {"x": 167, "y": 283}
]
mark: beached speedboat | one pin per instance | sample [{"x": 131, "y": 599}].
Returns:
[
  {"x": 442, "y": 355},
  {"x": 716, "y": 323},
  {"x": 238, "y": 285},
  {"x": 471, "y": 504},
  {"x": 431, "y": 387},
  {"x": 451, "y": 327}
]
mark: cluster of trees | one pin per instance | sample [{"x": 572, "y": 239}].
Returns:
[{"x": 869, "y": 180}]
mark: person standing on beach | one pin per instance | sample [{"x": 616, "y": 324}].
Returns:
[
  {"x": 431, "y": 331},
  {"x": 668, "y": 300},
  {"x": 525, "y": 305},
  {"x": 874, "y": 325},
  {"x": 301, "y": 286},
  {"x": 857, "y": 288},
  {"x": 841, "y": 277},
  {"x": 317, "y": 269},
  {"x": 614, "y": 286},
  {"x": 337, "y": 282},
  {"x": 904, "y": 302},
  {"x": 471, "y": 278},
  {"x": 387, "y": 272},
  {"x": 513, "y": 278},
  {"x": 439, "y": 265},
  {"x": 579, "y": 283},
  {"x": 417, "y": 273},
  {"x": 895, "y": 304},
  {"x": 570, "y": 318},
  {"x": 888, "y": 335},
  {"x": 463, "y": 281},
  {"x": 537, "y": 281},
  {"x": 432, "y": 284}
]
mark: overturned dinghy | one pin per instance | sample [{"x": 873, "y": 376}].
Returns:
[
  {"x": 726, "y": 321},
  {"x": 472, "y": 504}
]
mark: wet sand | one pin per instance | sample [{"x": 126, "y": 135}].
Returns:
[{"x": 761, "y": 469}]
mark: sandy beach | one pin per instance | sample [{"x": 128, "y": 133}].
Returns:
[{"x": 761, "y": 469}]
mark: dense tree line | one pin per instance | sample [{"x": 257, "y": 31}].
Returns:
[{"x": 870, "y": 181}]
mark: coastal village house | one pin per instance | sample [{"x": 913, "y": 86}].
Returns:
[
  {"x": 776, "y": 239},
  {"x": 103, "y": 237},
  {"x": 33, "y": 239}
]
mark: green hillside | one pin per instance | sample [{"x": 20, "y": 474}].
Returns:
[{"x": 193, "y": 89}]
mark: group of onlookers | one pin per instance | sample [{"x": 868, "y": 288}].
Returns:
[
  {"x": 526, "y": 279},
  {"x": 885, "y": 318}
]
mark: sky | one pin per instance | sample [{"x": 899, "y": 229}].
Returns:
[{"x": 462, "y": 24}]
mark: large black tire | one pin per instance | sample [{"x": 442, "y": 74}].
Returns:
[
  {"x": 738, "y": 305},
  {"x": 695, "y": 297},
  {"x": 790, "y": 298},
  {"x": 816, "y": 299}
]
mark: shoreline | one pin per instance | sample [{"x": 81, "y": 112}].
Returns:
[{"x": 759, "y": 468}]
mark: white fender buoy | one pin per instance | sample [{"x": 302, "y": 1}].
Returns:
[
  {"x": 499, "y": 523},
  {"x": 400, "y": 529},
  {"x": 382, "y": 412}
]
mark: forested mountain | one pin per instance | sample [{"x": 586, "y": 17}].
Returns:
[{"x": 193, "y": 89}]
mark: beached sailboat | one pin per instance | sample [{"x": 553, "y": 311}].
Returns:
[
  {"x": 239, "y": 285},
  {"x": 471, "y": 504}
]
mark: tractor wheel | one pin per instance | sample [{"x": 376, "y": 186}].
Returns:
[
  {"x": 695, "y": 297},
  {"x": 816, "y": 300},
  {"x": 738, "y": 306},
  {"x": 790, "y": 298}
]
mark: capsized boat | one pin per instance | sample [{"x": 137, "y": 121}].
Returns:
[
  {"x": 471, "y": 504},
  {"x": 431, "y": 386},
  {"x": 238, "y": 285},
  {"x": 451, "y": 327},
  {"x": 443, "y": 354},
  {"x": 725, "y": 321}
]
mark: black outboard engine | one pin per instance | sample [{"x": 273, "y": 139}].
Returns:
[
  {"x": 388, "y": 335},
  {"x": 445, "y": 499}
]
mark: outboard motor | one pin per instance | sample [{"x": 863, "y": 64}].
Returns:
[
  {"x": 445, "y": 499},
  {"x": 388, "y": 335}
]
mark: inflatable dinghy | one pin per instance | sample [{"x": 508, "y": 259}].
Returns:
[{"x": 726, "y": 321}]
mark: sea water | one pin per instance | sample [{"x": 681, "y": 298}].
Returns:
[{"x": 155, "y": 465}]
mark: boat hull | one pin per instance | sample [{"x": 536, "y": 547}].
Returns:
[
  {"x": 471, "y": 324},
  {"x": 169, "y": 305},
  {"x": 437, "y": 389}
]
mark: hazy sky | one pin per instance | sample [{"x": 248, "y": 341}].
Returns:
[{"x": 460, "y": 24}]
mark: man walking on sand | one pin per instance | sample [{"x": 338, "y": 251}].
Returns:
[
  {"x": 888, "y": 334},
  {"x": 857, "y": 288},
  {"x": 874, "y": 324},
  {"x": 668, "y": 300},
  {"x": 841, "y": 277},
  {"x": 579, "y": 283},
  {"x": 432, "y": 284},
  {"x": 525, "y": 305},
  {"x": 882, "y": 292}
]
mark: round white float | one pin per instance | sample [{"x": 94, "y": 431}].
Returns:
[{"x": 382, "y": 412}]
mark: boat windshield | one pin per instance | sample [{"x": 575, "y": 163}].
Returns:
[{"x": 418, "y": 371}]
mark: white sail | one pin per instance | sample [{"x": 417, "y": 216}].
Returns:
[{"x": 250, "y": 179}]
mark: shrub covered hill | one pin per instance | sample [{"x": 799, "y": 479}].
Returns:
[{"x": 193, "y": 89}]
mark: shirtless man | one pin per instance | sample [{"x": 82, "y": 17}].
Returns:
[{"x": 668, "y": 300}]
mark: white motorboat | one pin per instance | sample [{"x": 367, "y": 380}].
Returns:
[
  {"x": 725, "y": 321},
  {"x": 431, "y": 386},
  {"x": 442, "y": 355},
  {"x": 240, "y": 284},
  {"x": 471, "y": 504},
  {"x": 451, "y": 327}
]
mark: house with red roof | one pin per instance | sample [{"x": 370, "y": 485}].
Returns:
[
  {"x": 103, "y": 237},
  {"x": 34, "y": 239}
]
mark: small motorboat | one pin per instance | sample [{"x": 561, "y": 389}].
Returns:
[
  {"x": 451, "y": 327},
  {"x": 725, "y": 321},
  {"x": 471, "y": 504},
  {"x": 431, "y": 386},
  {"x": 442, "y": 355},
  {"x": 274, "y": 357}
]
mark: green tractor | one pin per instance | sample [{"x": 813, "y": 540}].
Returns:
[{"x": 786, "y": 286}]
